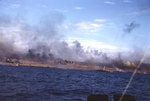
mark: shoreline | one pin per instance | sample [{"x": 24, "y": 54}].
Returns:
[{"x": 75, "y": 66}]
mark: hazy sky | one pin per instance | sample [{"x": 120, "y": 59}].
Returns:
[{"x": 95, "y": 23}]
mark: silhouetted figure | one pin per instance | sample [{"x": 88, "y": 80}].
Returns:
[
  {"x": 125, "y": 98},
  {"x": 97, "y": 97}
]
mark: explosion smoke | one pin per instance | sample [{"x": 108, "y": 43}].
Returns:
[
  {"x": 43, "y": 41},
  {"x": 130, "y": 27}
]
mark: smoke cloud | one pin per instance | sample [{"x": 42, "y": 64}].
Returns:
[
  {"x": 39, "y": 42},
  {"x": 130, "y": 27},
  {"x": 43, "y": 41}
]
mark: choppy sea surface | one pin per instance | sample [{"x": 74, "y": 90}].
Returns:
[{"x": 50, "y": 84}]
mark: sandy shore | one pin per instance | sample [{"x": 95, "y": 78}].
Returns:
[{"x": 73, "y": 65}]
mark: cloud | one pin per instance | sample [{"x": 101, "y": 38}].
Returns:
[
  {"x": 100, "y": 20},
  {"x": 109, "y": 2},
  {"x": 78, "y": 8},
  {"x": 95, "y": 44},
  {"x": 127, "y": 1},
  {"x": 16, "y": 5},
  {"x": 143, "y": 11},
  {"x": 88, "y": 26}
]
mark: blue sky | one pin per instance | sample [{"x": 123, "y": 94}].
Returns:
[{"x": 97, "y": 23}]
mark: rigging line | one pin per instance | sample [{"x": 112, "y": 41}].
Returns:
[{"x": 131, "y": 78}]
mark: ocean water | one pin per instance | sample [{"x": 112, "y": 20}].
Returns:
[{"x": 51, "y": 84}]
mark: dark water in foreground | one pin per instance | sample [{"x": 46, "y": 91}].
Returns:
[{"x": 45, "y": 84}]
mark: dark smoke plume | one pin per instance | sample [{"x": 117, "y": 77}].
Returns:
[
  {"x": 130, "y": 27},
  {"x": 6, "y": 49}
]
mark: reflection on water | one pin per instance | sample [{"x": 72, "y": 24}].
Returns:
[{"x": 45, "y": 84}]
